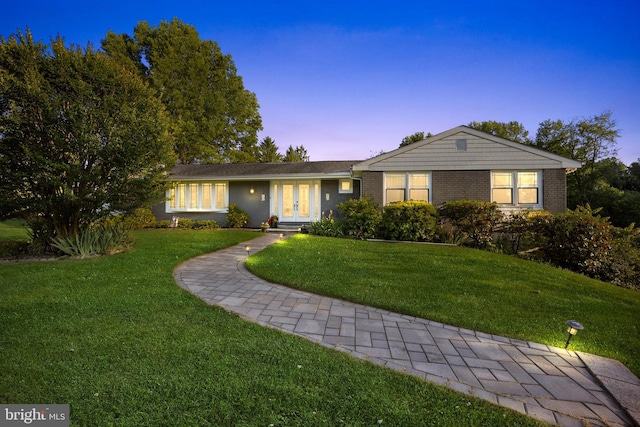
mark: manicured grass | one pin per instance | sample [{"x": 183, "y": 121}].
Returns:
[
  {"x": 474, "y": 289},
  {"x": 119, "y": 341},
  {"x": 13, "y": 229}
]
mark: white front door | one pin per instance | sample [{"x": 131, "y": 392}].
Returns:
[{"x": 296, "y": 200}]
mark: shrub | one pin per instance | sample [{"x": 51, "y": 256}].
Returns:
[
  {"x": 624, "y": 265},
  {"x": 413, "y": 220},
  {"x": 578, "y": 240},
  {"x": 361, "y": 217},
  {"x": 165, "y": 223},
  {"x": 236, "y": 218},
  {"x": 473, "y": 219},
  {"x": 139, "y": 219},
  {"x": 95, "y": 240},
  {"x": 14, "y": 248},
  {"x": 327, "y": 226},
  {"x": 186, "y": 223},
  {"x": 517, "y": 233},
  {"x": 207, "y": 223}
]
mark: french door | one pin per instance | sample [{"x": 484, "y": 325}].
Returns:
[{"x": 296, "y": 201}]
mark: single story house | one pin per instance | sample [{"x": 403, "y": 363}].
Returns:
[{"x": 461, "y": 163}]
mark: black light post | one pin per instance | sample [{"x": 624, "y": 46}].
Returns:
[{"x": 573, "y": 329}]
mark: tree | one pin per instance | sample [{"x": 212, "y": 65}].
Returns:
[
  {"x": 513, "y": 130},
  {"x": 81, "y": 137},
  {"x": 590, "y": 141},
  {"x": 298, "y": 154},
  {"x": 268, "y": 151},
  {"x": 214, "y": 119},
  {"x": 416, "y": 137}
]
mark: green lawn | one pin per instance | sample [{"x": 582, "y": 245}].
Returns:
[
  {"x": 474, "y": 289},
  {"x": 120, "y": 342},
  {"x": 13, "y": 229}
]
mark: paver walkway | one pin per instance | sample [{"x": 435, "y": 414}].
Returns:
[{"x": 548, "y": 383}]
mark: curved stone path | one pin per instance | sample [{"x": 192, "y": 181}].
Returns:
[{"x": 547, "y": 383}]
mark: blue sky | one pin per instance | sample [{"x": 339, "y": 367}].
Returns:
[{"x": 349, "y": 79}]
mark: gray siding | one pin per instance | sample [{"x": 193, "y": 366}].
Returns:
[
  {"x": 330, "y": 187},
  {"x": 258, "y": 210},
  {"x": 480, "y": 154}
]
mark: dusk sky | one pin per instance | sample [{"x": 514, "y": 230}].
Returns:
[{"x": 350, "y": 79}]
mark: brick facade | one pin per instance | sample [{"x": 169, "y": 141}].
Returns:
[
  {"x": 473, "y": 185},
  {"x": 554, "y": 190},
  {"x": 456, "y": 185},
  {"x": 373, "y": 185}
]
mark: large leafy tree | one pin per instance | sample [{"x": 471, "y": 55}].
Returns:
[
  {"x": 81, "y": 137},
  {"x": 214, "y": 119},
  {"x": 515, "y": 131},
  {"x": 590, "y": 140},
  {"x": 416, "y": 137}
]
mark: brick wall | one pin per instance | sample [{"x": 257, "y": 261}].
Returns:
[
  {"x": 474, "y": 185},
  {"x": 554, "y": 189},
  {"x": 373, "y": 185},
  {"x": 456, "y": 185}
]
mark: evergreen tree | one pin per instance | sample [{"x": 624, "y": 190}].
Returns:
[
  {"x": 298, "y": 154},
  {"x": 268, "y": 151}
]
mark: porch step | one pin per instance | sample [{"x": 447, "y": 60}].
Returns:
[{"x": 288, "y": 226}]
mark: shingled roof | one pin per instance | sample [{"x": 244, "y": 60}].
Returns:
[{"x": 266, "y": 170}]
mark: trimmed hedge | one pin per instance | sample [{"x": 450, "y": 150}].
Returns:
[
  {"x": 412, "y": 220},
  {"x": 361, "y": 217}
]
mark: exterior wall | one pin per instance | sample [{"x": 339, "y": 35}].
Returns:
[
  {"x": 239, "y": 193},
  {"x": 330, "y": 187},
  {"x": 456, "y": 185},
  {"x": 160, "y": 214},
  {"x": 373, "y": 185},
  {"x": 554, "y": 190},
  {"x": 258, "y": 210}
]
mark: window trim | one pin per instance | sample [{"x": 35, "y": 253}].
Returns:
[
  {"x": 514, "y": 189},
  {"x": 345, "y": 180},
  {"x": 407, "y": 184},
  {"x": 185, "y": 188}
]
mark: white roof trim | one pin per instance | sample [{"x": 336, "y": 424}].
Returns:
[{"x": 274, "y": 177}]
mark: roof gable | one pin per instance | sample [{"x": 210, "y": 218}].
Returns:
[{"x": 464, "y": 148}]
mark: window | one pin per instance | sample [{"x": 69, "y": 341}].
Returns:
[
  {"x": 345, "y": 186},
  {"x": 517, "y": 188},
  {"x": 198, "y": 197},
  {"x": 395, "y": 188},
  {"x": 407, "y": 186}
]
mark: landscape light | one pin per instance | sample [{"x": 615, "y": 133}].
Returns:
[
  {"x": 247, "y": 248},
  {"x": 573, "y": 329}
]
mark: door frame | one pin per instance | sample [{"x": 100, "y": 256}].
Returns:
[{"x": 314, "y": 199}]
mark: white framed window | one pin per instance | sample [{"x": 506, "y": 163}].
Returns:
[
  {"x": 345, "y": 186},
  {"x": 517, "y": 188},
  {"x": 198, "y": 197},
  {"x": 407, "y": 186}
]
